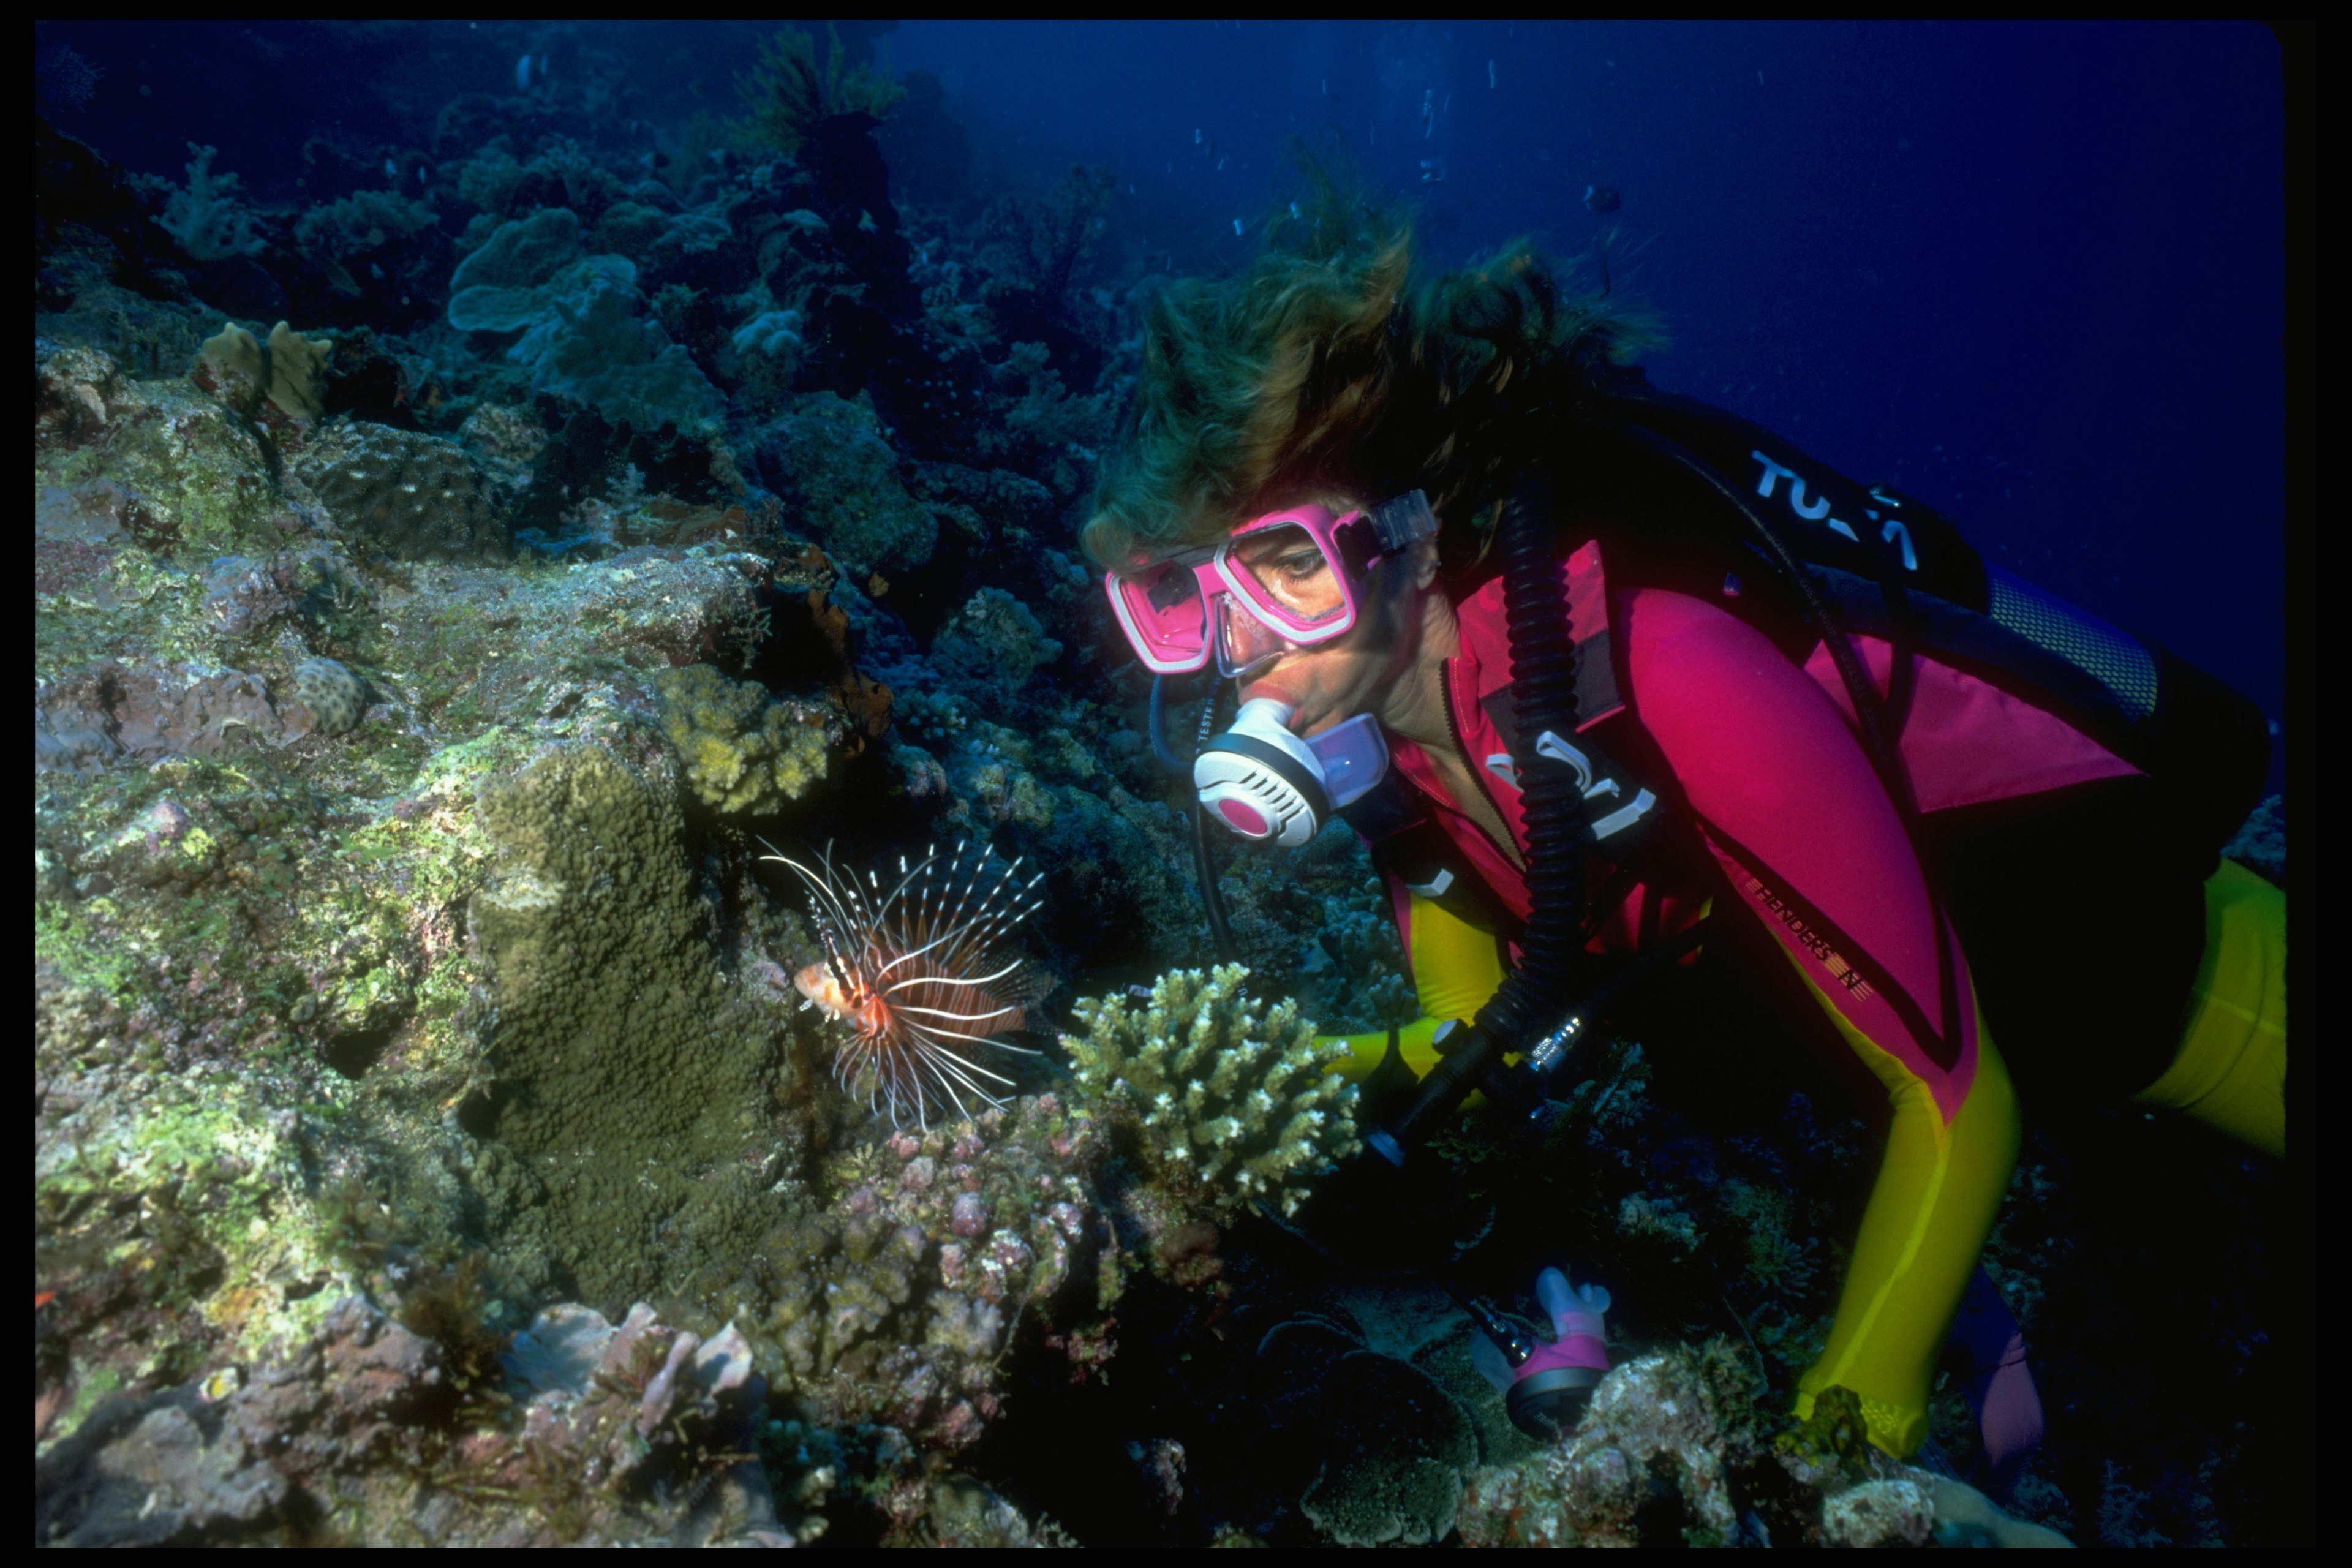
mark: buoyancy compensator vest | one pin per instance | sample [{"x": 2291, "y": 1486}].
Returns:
[
  {"x": 1690, "y": 497},
  {"x": 1888, "y": 565}
]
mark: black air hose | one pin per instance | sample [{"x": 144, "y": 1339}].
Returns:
[
  {"x": 1543, "y": 694},
  {"x": 1205, "y": 854},
  {"x": 1157, "y": 728},
  {"x": 1536, "y": 998}
]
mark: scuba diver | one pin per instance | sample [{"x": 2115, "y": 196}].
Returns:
[{"x": 1633, "y": 700}]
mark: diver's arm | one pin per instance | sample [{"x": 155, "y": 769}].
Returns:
[{"x": 1815, "y": 851}]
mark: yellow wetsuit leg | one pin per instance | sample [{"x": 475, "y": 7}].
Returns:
[
  {"x": 2230, "y": 1073},
  {"x": 1939, "y": 1187},
  {"x": 1455, "y": 968}
]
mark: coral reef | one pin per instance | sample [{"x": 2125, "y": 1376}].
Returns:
[
  {"x": 831, "y": 463},
  {"x": 289, "y": 369},
  {"x": 743, "y": 752},
  {"x": 581, "y": 336},
  {"x": 897, "y": 1301},
  {"x": 1392, "y": 1445},
  {"x": 514, "y": 279},
  {"x": 1685, "y": 1419},
  {"x": 595, "y": 349},
  {"x": 360, "y": 225},
  {"x": 155, "y": 459},
  {"x": 1232, "y": 1107},
  {"x": 625, "y": 1075},
  {"x": 641, "y": 1434},
  {"x": 992, "y": 647},
  {"x": 429, "y": 1147},
  {"x": 335, "y": 697},
  {"x": 207, "y": 218},
  {"x": 410, "y": 495},
  {"x": 1673, "y": 1450}
]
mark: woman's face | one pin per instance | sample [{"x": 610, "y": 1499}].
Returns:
[{"x": 1359, "y": 670}]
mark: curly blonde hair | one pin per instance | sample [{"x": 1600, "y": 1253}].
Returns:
[{"x": 1327, "y": 367}]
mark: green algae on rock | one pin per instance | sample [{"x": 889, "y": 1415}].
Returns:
[
  {"x": 191, "y": 475},
  {"x": 628, "y": 1076}
]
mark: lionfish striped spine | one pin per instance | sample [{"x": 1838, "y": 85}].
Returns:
[{"x": 917, "y": 974}]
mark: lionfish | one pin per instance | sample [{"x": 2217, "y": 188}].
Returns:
[{"x": 917, "y": 974}]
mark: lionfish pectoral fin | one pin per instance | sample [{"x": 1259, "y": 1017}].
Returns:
[{"x": 1028, "y": 988}]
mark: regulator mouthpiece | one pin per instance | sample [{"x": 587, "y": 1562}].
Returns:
[{"x": 1263, "y": 782}]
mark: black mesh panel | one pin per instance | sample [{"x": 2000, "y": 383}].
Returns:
[{"x": 2117, "y": 661}]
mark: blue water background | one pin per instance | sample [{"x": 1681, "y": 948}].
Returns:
[{"x": 2032, "y": 271}]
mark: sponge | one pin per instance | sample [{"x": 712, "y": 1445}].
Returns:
[{"x": 291, "y": 370}]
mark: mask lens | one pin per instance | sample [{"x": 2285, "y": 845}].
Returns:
[
  {"x": 1288, "y": 577},
  {"x": 1161, "y": 612},
  {"x": 1245, "y": 643}
]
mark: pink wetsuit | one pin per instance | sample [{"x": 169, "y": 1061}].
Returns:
[{"x": 1767, "y": 767}]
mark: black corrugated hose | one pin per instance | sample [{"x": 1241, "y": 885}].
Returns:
[
  {"x": 1537, "y": 994},
  {"x": 1534, "y": 996}
]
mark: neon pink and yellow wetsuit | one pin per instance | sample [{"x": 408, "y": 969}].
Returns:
[{"x": 1765, "y": 768}]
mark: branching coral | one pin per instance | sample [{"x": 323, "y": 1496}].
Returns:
[
  {"x": 337, "y": 232},
  {"x": 1232, "y": 1105},
  {"x": 206, "y": 218},
  {"x": 787, "y": 93}
]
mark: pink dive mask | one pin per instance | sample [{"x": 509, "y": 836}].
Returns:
[{"x": 1283, "y": 580}]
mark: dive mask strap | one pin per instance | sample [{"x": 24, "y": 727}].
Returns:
[{"x": 1401, "y": 519}]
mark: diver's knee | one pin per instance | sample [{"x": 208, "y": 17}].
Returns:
[{"x": 2231, "y": 1070}]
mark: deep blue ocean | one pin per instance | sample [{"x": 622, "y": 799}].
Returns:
[{"x": 2032, "y": 272}]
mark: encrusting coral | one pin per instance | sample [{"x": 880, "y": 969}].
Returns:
[
  {"x": 335, "y": 697},
  {"x": 414, "y": 496},
  {"x": 742, "y": 751},
  {"x": 1232, "y": 1105}
]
